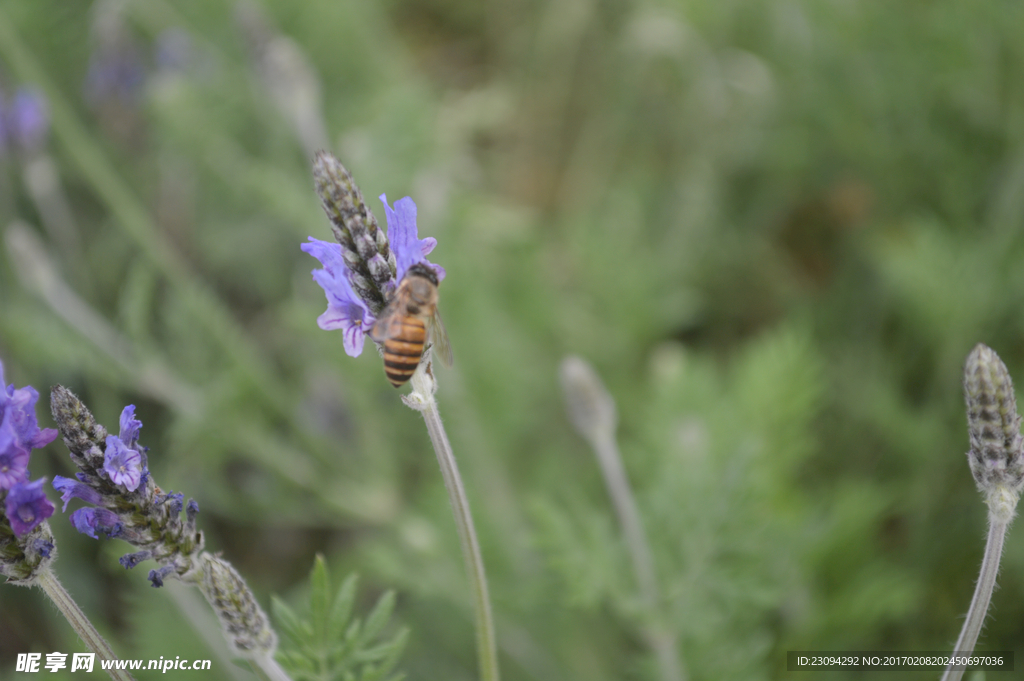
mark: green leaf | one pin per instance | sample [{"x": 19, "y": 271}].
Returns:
[{"x": 379, "y": 616}]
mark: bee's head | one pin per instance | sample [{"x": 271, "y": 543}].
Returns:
[{"x": 420, "y": 270}]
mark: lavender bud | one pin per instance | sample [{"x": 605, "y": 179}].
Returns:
[
  {"x": 156, "y": 577},
  {"x": 356, "y": 230},
  {"x": 130, "y": 560},
  {"x": 591, "y": 408},
  {"x": 997, "y": 451},
  {"x": 241, "y": 618},
  {"x": 84, "y": 437}
]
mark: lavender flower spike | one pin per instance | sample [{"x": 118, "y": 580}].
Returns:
[
  {"x": 362, "y": 271},
  {"x": 126, "y": 503}
]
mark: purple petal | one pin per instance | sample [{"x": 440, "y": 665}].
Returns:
[
  {"x": 27, "y": 506},
  {"x": 123, "y": 465},
  {"x": 408, "y": 248},
  {"x": 72, "y": 489},
  {"x": 13, "y": 458},
  {"x": 345, "y": 310},
  {"x": 88, "y": 520},
  {"x": 130, "y": 426}
]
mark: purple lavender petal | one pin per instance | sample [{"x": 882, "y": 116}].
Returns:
[
  {"x": 403, "y": 236},
  {"x": 123, "y": 465},
  {"x": 17, "y": 411},
  {"x": 156, "y": 577},
  {"x": 27, "y": 506},
  {"x": 71, "y": 489},
  {"x": 88, "y": 520},
  {"x": 130, "y": 426},
  {"x": 345, "y": 310},
  {"x": 13, "y": 457}
]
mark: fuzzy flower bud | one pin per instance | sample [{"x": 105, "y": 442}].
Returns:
[
  {"x": 997, "y": 450},
  {"x": 591, "y": 408},
  {"x": 243, "y": 621},
  {"x": 82, "y": 435},
  {"x": 365, "y": 251}
]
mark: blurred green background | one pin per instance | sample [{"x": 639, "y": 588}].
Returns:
[{"x": 775, "y": 228}]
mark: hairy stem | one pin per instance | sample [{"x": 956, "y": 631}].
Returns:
[
  {"x": 422, "y": 399},
  {"x": 270, "y": 668},
  {"x": 47, "y": 581},
  {"x": 982, "y": 596},
  {"x": 659, "y": 638}
]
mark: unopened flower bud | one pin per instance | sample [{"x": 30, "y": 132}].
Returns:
[
  {"x": 356, "y": 230},
  {"x": 591, "y": 408},
  {"x": 997, "y": 451},
  {"x": 243, "y": 621}
]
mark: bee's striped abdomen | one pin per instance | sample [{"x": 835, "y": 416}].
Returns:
[{"x": 403, "y": 351}]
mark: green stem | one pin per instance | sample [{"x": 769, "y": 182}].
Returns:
[
  {"x": 422, "y": 399},
  {"x": 269, "y": 666},
  {"x": 659, "y": 636},
  {"x": 47, "y": 581}
]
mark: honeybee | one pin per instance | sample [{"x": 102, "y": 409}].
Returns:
[{"x": 410, "y": 318}]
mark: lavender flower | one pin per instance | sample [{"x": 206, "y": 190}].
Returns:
[
  {"x": 363, "y": 270},
  {"x": 28, "y": 119},
  {"x": 26, "y": 545},
  {"x": 125, "y": 501},
  {"x": 18, "y": 418},
  {"x": 122, "y": 465},
  {"x": 345, "y": 310},
  {"x": 27, "y": 506},
  {"x": 241, "y": 618},
  {"x": 69, "y": 489},
  {"x": 127, "y": 504},
  {"x": 13, "y": 459},
  {"x": 88, "y": 520}
]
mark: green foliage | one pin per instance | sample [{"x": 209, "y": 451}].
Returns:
[
  {"x": 775, "y": 228},
  {"x": 331, "y": 645}
]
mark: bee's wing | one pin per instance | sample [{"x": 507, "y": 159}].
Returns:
[
  {"x": 387, "y": 325},
  {"x": 439, "y": 338}
]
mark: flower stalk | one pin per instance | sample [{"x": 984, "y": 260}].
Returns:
[
  {"x": 125, "y": 502},
  {"x": 49, "y": 584},
  {"x": 592, "y": 412},
  {"x": 360, "y": 276},
  {"x": 422, "y": 400},
  {"x": 996, "y": 460}
]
